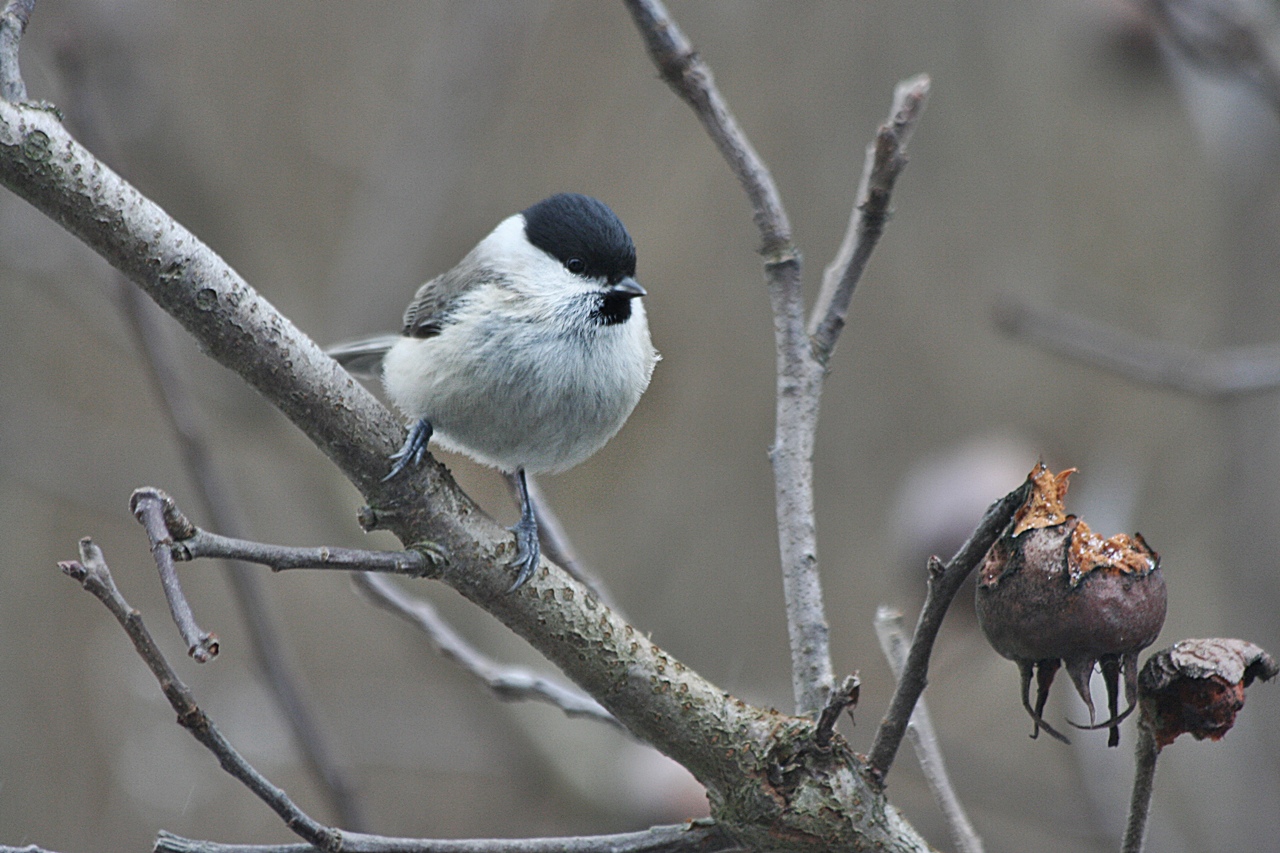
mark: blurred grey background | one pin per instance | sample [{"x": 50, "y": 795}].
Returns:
[{"x": 339, "y": 154}]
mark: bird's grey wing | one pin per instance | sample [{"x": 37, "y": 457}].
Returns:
[
  {"x": 362, "y": 357},
  {"x": 429, "y": 311}
]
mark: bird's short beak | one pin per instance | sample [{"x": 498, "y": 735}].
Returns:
[{"x": 629, "y": 287}]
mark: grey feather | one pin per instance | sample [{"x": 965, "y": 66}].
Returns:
[
  {"x": 432, "y": 305},
  {"x": 363, "y": 357}
]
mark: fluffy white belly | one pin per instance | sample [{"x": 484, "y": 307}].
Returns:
[{"x": 510, "y": 397}]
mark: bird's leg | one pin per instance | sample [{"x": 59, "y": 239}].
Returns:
[
  {"x": 415, "y": 447},
  {"x": 526, "y": 531}
]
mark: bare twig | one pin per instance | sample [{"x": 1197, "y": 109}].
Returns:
[
  {"x": 696, "y": 837},
  {"x": 801, "y": 366},
  {"x": 202, "y": 543},
  {"x": 1144, "y": 775},
  {"x": 92, "y": 573},
  {"x": 843, "y": 697},
  {"x": 893, "y": 642},
  {"x": 511, "y": 683},
  {"x": 14, "y": 15},
  {"x": 1236, "y": 370},
  {"x": 1237, "y": 38},
  {"x": 944, "y": 582},
  {"x": 886, "y": 158},
  {"x": 265, "y": 640},
  {"x": 799, "y": 377},
  {"x": 148, "y": 507},
  {"x": 691, "y": 79}
]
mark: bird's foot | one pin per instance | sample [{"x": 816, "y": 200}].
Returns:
[
  {"x": 415, "y": 447},
  {"x": 528, "y": 551}
]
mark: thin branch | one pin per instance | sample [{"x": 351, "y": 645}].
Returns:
[
  {"x": 185, "y": 541},
  {"x": 1144, "y": 774},
  {"x": 84, "y": 108},
  {"x": 1235, "y": 370},
  {"x": 696, "y": 837},
  {"x": 14, "y": 15},
  {"x": 509, "y": 683},
  {"x": 92, "y": 573},
  {"x": 886, "y": 158},
  {"x": 844, "y": 697},
  {"x": 148, "y": 507},
  {"x": 266, "y": 642},
  {"x": 944, "y": 583},
  {"x": 893, "y": 642},
  {"x": 801, "y": 366},
  {"x": 1229, "y": 38},
  {"x": 799, "y": 377},
  {"x": 690, "y": 78},
  {"x": 202, "y": 543}
]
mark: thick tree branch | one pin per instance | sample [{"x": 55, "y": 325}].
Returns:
[{"x": 944, "y": 583}]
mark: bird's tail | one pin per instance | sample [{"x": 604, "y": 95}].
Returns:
[{"x": 362, "y": 357}]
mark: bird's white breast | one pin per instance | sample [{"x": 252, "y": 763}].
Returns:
[{"x": 521, "y": 382}]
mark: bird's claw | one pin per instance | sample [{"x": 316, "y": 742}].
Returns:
[
  {"x": 528, "y": 552},
  {"x": 414, "y": 449}
]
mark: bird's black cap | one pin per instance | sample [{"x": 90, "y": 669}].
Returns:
[{"x": 570, "y": 226}]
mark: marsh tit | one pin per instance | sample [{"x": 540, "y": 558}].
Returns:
[{"x": 527, "y": 356}]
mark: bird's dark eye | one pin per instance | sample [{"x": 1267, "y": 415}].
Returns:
[{"x": 575, "y": 265}]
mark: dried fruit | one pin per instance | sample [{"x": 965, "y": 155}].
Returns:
[
  {"x": 1197, "y": 687},
  {"x": 1051, "y": 592}
]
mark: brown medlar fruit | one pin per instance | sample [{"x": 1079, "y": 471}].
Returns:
[{"x": 1051, "y": 592}]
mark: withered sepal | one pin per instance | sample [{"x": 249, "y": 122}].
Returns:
[{"x": 1196, "y": 687}]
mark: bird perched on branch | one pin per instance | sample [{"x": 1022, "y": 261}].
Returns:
[{"x": 528, "y": 356}]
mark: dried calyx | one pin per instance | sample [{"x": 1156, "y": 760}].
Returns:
[{"x": 1051, "y": 592}]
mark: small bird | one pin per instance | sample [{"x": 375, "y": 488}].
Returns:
[{"x": 527, "y": 356}]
